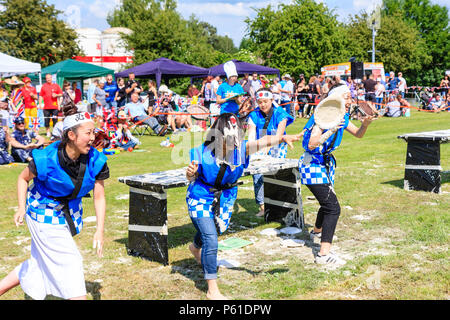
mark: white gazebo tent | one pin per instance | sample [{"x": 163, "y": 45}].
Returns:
[{"x": 10, "y": 66}]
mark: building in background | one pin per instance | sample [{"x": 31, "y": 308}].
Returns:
[{"x": 106, "y": 49}]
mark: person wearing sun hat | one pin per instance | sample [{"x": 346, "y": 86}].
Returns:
[
  {"x": 14, "y": 81},
  {"x": 30, "y": 96},
  {"x": 62, "y": 174}
]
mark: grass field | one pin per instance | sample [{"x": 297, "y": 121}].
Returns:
[{"x": 395, "y": 241}]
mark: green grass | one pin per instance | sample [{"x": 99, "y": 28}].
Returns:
[{"x": 395, "y": 241}]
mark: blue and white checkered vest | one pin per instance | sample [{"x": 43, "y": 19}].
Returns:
[{"x": 53, "y": 182}]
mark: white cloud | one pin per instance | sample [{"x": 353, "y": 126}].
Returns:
[
  {"x": 101, "y": 8},
  {"x": 366, "y": 5},
  {"x": 237, "y": 9}
]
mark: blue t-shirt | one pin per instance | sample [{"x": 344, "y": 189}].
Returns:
[
  {"x": 111, "y": 90},
  {"x": 225, "y": 91}
]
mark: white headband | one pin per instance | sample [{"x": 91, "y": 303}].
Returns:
[
  {"x": 76, "y": 119},
  {"x": 264, "y": 95}
]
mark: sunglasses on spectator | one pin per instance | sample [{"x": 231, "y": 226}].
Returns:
[{"x": 19, "y": 123}]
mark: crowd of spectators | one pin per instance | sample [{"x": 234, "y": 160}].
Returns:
[{"x": 126, "y": 101}]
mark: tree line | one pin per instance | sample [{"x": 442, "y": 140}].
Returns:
[{"x": 300, "y": 37}]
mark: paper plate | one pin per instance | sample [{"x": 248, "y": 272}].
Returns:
[
  {"x": 229, "y": 264},
  {"x": 291, "y": 230},
  {"x": 270, "y": 232},
  {"x": 291, "y": 243},
  {"x": 330, "y": 111}
]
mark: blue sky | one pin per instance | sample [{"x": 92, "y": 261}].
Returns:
[{"x": 227, "y": 16}]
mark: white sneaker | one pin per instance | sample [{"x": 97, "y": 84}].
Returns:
[
  {"x": 330, "y": 258},
  {"x": 315, "y": 235}
]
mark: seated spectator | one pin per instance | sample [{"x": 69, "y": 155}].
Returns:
[
  {"x": 5, "y": 157},
  {"x": 102, "y": 139},
  {"x": 124, "y": 138},
  {"x": 163, "y": 89},
  {"x": 404, "y": 103},
  {"x": 193, "y": 91},
  {"x": 393, "y": 109},
  {"x": 361, "y": 93},
  {"x": 436, "y": 103},
  {"x": 21, "y": 151},
  {"x": 138, "y": 113},
  {"x": 177, "y": 121}
]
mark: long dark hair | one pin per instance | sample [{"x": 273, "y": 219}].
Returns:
[{"x": 216, "y": 134}]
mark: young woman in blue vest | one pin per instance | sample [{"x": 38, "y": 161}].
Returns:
[
  {"x": 214, "y": 170},
  {"x": 317, "y": 168},
  {"x": 53, "y": 210},
  {"x": 277, "y": 121}
]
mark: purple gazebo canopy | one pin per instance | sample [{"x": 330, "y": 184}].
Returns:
[
  {"x": 242, "y": 68},
  {"x": 163, "y": 67}
]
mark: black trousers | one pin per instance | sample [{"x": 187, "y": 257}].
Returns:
[
  {"x": 50, "y": 114},
  {"x": 329, "y": 210}
]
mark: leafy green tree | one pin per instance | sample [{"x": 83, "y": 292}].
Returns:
[
  {"x": 30, "y": 30},
  {"x": 222, "y": 44},
  {"x": 160, "y": 31},
  {"x": 398, "y": 45},
  {"x": 432, "y": 23},
  {"x": 297, "y": 38}
]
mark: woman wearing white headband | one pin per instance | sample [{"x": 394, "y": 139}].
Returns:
[
  {"x": 214, "y": 170},
  {"x": 62, "y": 174},
  {"x": 267, "y": 119},
  {"x": 317, "y": 166}
]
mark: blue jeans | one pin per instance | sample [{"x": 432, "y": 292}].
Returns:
[
  {"x": 258, "y": 186},
  {"x": 206, "y": 239},
  {"x": 378, "y": 102},
  {"x": 151, "y": 122},
  {"x": 127, "y": 145},
  {"x": 286, "y": 104}
]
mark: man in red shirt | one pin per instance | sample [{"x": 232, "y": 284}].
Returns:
[
  {"x": 50, "y": 92},
  {"x": 29, "y": 98}
]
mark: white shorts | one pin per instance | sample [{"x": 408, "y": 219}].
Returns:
[{"x": 55, "y": 267}]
